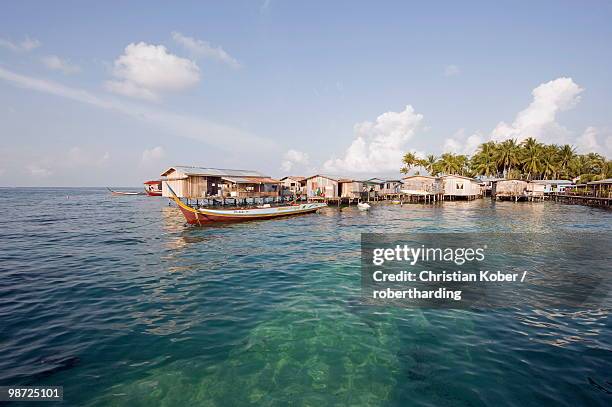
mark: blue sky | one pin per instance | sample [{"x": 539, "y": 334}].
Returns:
[{"x": 109, "y": 94}]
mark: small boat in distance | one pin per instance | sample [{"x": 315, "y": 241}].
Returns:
[
  {"x": 153, "y": 188},
  {"x": 124, "y": 193},
  {"x": 363, "y": 206},
  {"x": 201, "y": 216}
]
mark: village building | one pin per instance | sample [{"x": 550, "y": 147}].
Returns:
[
  {"x": 352, "y": 190},
  {"x": 334, "y": 188},
  {"x": 514, "y": 189},
  {"x": 535, "y": 190},
  {"x": 601, "y": 188},
  {"x": 293, "y": 185},
  {"x": 425, "y": 187},
  {"x": 486, "y": 185},
  {"x": 552, "y": 186},
  {"x": 460, "y": 187},
  {"x": 391, "y": 187},
  {"x": 322, "y": 186},
  {"x": 202, "y": 183},
  {"x": 373, "y": 188}
]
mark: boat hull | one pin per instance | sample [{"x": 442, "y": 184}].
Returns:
[
  {"x": 121, "y": 193},
  {"x": 153, "y": 188},
  {"x": 206, "y": 216}
]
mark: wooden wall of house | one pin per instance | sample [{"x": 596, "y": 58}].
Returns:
[
  {"x": 456, "y": 186},
  {"x": 350, "y": 189},
  {"x": 422, "y": 183},
  {"x": 191, "y": 187},
  {"x": 391, "y": 187},
  {"x": 510, "y": 187},
  {"x": 536, "y": 189},
  {"x": 327, "y": 186}
]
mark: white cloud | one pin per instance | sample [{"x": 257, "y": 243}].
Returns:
[
  {"x": 38, "y": 171},
  {"x": 587, "y": 142},
  {"x": 293, "y": 157},
  {"x": 27, "y": 44},
  {"x": 215, "y": 134},
  {"x": 132, "y": 90},
  {"x": 593, "y": 141},
  {"x": 452, "y": 70},
  {"x": 77, "y": 157},
  {"x": 146, "y": 71},
  {"x": 538, "y": 120},
  {"x": 56, "y": 63},
  {"x": 379, "y": 146},
  {"x": 151, "y": 155},
  {"x": 203, "y": 49},
  {"x": 460, "y": 144}
]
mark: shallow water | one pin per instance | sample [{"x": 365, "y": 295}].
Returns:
[{"x": 121, "y": 303}]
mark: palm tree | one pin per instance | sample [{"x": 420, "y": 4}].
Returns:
[
  {"x": 531, "y": 157},
  {"x": 507, "y": 155},
  {"x": 566, "y": 154},
  {"x": 579, "y": 166},
  {"x": 596, "y": 162},
  {"x": 462, "y": 164},
  {"x": 483, "y": 162},
  {"x": 450, "y": 163},
  {"x": 606, "y": 170},
  {"x": 549, "y": 162},
  {"x": 529, "y": 142},
  {"x": 430, "y": 163},
  {"x": 409, "y": 161}
]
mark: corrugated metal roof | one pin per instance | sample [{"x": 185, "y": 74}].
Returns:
[
  {"x": 214, "y": 172},
  {"x": 552, "y": 181},
  {"x": 336, "y": 178},
  {"x": 603, "y": 181},
  {"x": 421, "y": 176},
  {"x": 459, "y": 176},
  {"x": 294, "y": 177},
  {"x": 251, "y": 180}
]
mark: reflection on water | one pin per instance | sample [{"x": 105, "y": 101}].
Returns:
[{"x": 139, "y": 309}]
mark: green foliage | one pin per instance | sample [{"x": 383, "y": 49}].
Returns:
[
  {"x": 410, "y": 160},
  {"x": 528, "y": 160}
]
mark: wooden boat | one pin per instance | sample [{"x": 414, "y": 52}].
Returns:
[
  {"x": 124, "y": 193},
  {"x": 201, "y": 216},
  {"x": 153, "y": 188}
]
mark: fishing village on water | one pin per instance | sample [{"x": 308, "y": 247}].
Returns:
[{"x": 217, "y": 195}]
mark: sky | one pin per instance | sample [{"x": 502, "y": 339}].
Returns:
[{"x": 109, "y": 94}]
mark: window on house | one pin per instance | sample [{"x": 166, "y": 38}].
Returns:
[{"x": 460, "y": 186}]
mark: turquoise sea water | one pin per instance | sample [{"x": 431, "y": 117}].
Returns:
[{"x": 118, "y": 301}]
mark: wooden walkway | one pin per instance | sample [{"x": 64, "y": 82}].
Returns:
[{"x": 582, "y": 200}]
